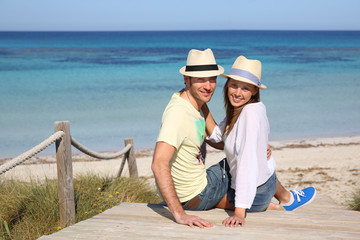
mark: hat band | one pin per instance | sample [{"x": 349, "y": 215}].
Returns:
[
  {"x": 245, "y": 74},
  {"x": 201, "y": 68}
]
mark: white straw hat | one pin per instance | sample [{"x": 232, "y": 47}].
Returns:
[
  {"x": 246, "y": 70},
  {"x": 201, "y": 64}
]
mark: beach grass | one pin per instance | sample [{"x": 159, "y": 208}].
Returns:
[
  {"x": 354, "y": 204},
  {"x": 30, "y": 210}
]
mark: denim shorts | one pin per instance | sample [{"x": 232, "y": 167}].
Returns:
[
  {"x": 216, "y": 188},
  {"x": 264, "y": 194}
]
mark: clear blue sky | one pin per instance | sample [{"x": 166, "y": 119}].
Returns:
[{"x": 118, "y": 15}]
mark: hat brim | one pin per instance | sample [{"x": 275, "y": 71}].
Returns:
[
  {"x": 210, "y": 73},
  {"x": 241, "y": 79}
]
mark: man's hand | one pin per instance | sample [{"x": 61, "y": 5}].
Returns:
[{"x": 192, "y": 221}]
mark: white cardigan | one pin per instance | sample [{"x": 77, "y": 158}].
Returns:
[{"x": 246, "y": 152}]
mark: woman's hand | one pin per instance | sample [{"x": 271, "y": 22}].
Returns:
[
  {"x": 237, "y": 219},
  {"x": 269, "y": 151}
]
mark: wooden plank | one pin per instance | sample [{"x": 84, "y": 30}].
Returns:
[{"x": 152, "y": 221}]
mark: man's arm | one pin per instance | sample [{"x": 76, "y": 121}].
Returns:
[{"x": 160, "y": 166}]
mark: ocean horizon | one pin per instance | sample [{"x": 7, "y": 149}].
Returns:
[{"x": 114, "y": 85}]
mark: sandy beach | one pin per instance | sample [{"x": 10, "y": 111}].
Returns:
[{"x": 331, "y": 165}]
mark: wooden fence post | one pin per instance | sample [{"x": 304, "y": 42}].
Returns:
[
  {"x": 65, "y": 175},
  {"x": 131, "y": 158}
]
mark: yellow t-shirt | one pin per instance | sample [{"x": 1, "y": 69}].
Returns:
[{"x": 184, "y": 128}]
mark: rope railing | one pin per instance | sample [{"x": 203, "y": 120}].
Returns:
[
  {"x": 32, "y": 152},
  {"x": 94, "y": 154},
  {"x": 64, "y": 165},
  {"x": 46, "y": 143}
]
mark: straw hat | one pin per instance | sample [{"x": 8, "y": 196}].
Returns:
[
  {"x": 246, "y": 70},
  {"x": 201, "y": 64}
]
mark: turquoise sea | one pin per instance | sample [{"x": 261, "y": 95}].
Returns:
[{"x": 115, "y": 85}]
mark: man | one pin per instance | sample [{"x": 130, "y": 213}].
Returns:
[{"x": 180, "y": 174}]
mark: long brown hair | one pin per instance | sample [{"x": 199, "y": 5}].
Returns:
[{"x": 232, "y": 114}]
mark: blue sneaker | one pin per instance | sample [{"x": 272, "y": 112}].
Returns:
[{"x": 301, "y": 198}]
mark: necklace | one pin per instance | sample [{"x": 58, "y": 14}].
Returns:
[{"x": 195, "y": 105}]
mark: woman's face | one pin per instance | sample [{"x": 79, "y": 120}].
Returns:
[{"x": 240, "y": 93}]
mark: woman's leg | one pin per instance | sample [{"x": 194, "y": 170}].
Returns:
[
  {"x": 281, "y": 194},
  {"x": 264, "y": 194}
]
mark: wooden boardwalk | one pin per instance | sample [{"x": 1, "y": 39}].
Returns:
[{"x": 322, "y": 219}]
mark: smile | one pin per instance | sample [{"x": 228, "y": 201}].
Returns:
[
  {"x": 206, "y": 93},
  {"x": 237, "y": 100}
]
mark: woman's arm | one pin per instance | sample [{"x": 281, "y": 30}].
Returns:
[
  {"x": 219, "y": 145},
  {"x": 246, "y": 154},
  {"x": 210, "y": 126}
]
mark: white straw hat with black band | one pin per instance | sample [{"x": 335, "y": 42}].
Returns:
[{"x": 201, "y": 64}]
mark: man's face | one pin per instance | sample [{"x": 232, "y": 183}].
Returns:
[{"x": 201, "y": 89}]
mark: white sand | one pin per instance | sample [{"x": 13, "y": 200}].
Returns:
[{"x": 331, "y": 165}]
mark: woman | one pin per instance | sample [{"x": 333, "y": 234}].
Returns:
[{"x": 244, "y": 132}]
